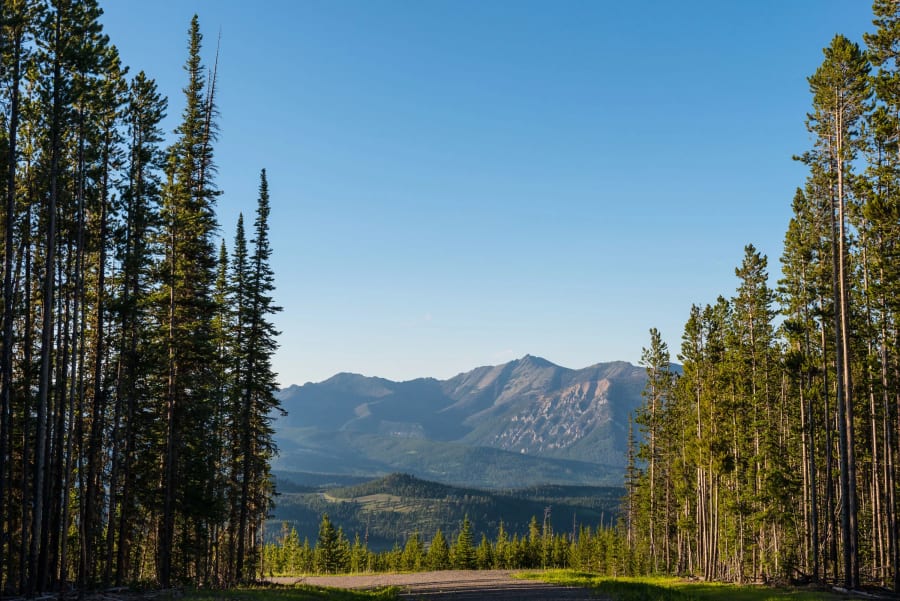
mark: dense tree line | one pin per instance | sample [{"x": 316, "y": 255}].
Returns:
[
  {"x": 389, "y": 508},
  {"x": 602, "y": 550},
  {"x": 775, "y": 453},
  {"x": 135, "y": 379}
]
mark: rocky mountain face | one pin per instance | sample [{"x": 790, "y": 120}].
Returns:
[{"x": 525, "y": 422}]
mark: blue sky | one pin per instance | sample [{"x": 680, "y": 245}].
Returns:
[{"x": 459, "y": 183}]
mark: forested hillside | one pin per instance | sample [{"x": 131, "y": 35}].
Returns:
[
  {"x": 776, "y": 452},
  {"x": 135, "y": 378},
  {"x": 387, "y": 511}
]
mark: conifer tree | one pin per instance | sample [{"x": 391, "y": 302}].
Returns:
[
  {"x": 327, "y": 548},
  {"x": 438, "y": 556},
  {"x": 799, "y": 291},
  {"x": 14, "y": 50},
  {"x": 253, "y": 286},
  {"x": 840, "y": 88},
  {"x": 651, "y": 418},
  {"x": 137, "y": 356},
  {"x": 753, "y": 348},
  {"x": 38, "y": 570},
  {"x": 100, "y": 409},
  {"x": 484, "y": 554},
  {"x": 464, "y": 549},
  {"x": 238, "y": 309},
  {"x": 880, "y": 231},
  {"x": 413, "y": 553},
  {"x": 189, "y": 223}
]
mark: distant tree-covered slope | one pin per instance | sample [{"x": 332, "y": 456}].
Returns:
[{"x": 389, "y": 509}]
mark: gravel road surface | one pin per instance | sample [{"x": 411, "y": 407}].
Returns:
[{"x": 490, "y": 585}]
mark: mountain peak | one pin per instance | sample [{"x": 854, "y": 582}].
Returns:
[
  {"x": 359, "y": 384},
  {"x": 491, "y": 423},
  {"x": 533, "y": 361}
]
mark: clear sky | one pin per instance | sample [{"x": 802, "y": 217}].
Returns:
[{"x": 459, "y": 183}]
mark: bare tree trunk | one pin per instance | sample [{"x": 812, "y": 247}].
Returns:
[
  {"x": 36, "y": 578},
  {"x": 845, "y": 382},
  {"x": 63, "y": 577},
  {"x": 93, "y": 503},
  {"x": 28, "y": 376},
  {"x": 167, "y": 527},
  {"x": 6, "y": 358}
]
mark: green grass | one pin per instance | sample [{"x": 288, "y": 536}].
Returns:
[
  {"x": 291, "y": 593},
  {"x": 676, "y": 589}
]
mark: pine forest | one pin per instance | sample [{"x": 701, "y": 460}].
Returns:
[
  {"x": 773, "y": 453},
  {"x": 137, "y": 391},
  {"x": 136, "y": 388}
]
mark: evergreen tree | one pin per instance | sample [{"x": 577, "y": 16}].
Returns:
[
  {"x": 651, "y": 418},
  {"x": 188, "y": 310},
  {"x": 799, "y": 292},
  {"x": 14, "y": 32},
  {"x": 534, "y": 544},
  {"x": 464, "y": 549},
  {"x": 327, "y": 548},
  {"x": 136, "y": 356},
  {"x": 841, "y": 92},
  {"x": 359, "y": 556},
  {"x": 256, "y": 383},
  {"x": 113, "y": 453},
  {"x": 38, "y": 568},
  {"x": 502, "y": 548},
  {"x": 413, "y": 555},
  {"x": 484, "y": 554},
  {"x": 880, "y": 232},
  {"x": 438, "y": 556}
]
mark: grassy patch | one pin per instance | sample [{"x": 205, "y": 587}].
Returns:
[
  {"x": 291, "y": 593},
  {"x": 676, "y": 589}
]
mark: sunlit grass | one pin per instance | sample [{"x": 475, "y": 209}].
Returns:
[
  {"x": 654, "y": 588},
  {"x": 291, "y": 593}
]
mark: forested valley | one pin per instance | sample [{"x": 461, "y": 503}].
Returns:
[{"x": 136, "y": 388}]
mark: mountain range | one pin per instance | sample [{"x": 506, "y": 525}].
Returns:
[{"x": 522, "y": 423}]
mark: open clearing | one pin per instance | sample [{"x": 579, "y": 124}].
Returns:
[{"x": 494, "y": 585}]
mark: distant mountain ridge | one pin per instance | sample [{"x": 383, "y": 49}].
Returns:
[{"x": 525, "y": 422}]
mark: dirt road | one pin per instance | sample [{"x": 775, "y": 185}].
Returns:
[{"x": 492, "y": 585}]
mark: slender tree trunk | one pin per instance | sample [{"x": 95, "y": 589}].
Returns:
[
  {"x": 114, "y": 506},
  {"x": 842, "y": 310},
  {"x": 245, "y": 487},
  {"x": 98, "y": 417},
  {"x": 28, "y": 376},
  {"x": 64, "y": 564},
  {"x": 52, "y": 493},
  {"x": 837, "y": 230},
  {"x": 167, "y": 528},
  {"x": 36, "y": 579},
  {"x": 878, "y": 512},
  {"x": 887, "y": 439},
  {"x": 813, "y": 490},
  {"x": 130, "y": 292},
  {"x": 6, "y": 358}
]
